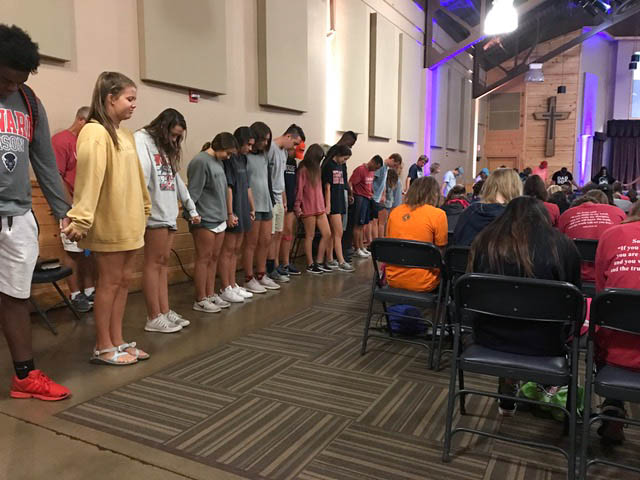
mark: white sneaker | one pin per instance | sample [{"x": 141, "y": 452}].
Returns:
[
  {"x": 366, "y": 252},
  {"x": 177, "y": 319},
  {"x": 216, "y": 300},
  {"x": 162, "y": 325},
  {"x": 361, "y": 253},
  {"x": 254, "y": 286},
  {"x": 269, "y": 284},
  {"x": 241, "y": 291},
  {"x": 206, "y": 306},
  {"x": 228, "y": 295}
]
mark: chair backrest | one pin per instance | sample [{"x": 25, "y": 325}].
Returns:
[
  {"x": 406, "y": 253},
  {"x": 519, "y": 298},
  {"x": 587, "y": 248},
  {"x": 617, "y": 309},
  {"x": 455, "y": 261}
]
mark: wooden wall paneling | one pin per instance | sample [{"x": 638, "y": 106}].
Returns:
[
  {"x": 352, "y": 41},
  {"x": 195, "y": 38},
  {"x": 410, "y": 74},
  {"x": 49, "y": 23},
  {"x": 283, "y": 54},
  {"x": 440, "y": 110},
  {"x": 383, "y": 78},
  {"x": 454, "y": 108},
  {"x": 465, "y": 117}
]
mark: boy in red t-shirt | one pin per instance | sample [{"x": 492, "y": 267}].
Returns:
[
  {"x": 589, "y": 220},
  {"x": 361, "y": 184}
]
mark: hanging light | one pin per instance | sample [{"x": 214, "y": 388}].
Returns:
[{"x": 502, "y": 18}]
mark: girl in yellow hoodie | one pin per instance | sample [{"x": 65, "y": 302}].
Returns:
[{"x": 110, "y": 208}]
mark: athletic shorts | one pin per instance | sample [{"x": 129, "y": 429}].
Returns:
[
  {"x": 363, "y": 210},
  {"x": 375, "y": 209},
  {"x": 18, "y": 254},
  {"x": 278, "y": 217},
  {"x": 263, "y": 216}
]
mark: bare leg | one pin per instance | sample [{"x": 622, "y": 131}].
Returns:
[
  {"x": 16, "y": 324},
  {"x": 309, "y": 233},
  {"x": 204, "y": 240},
  {"x": 335, "y": 222},
  {"x": 262, "y": 249},
  {"x": 287, "y": 238},
  {"x": 234, "y": 258},
  {"x": 325, "y": 232},
  {"x": 155, "y": 258},
  {"x": 70, "y": 259},
  {"x": 382, "y": 222},
  {"x": 87, "y": 271},
  {"x": 229, "y": 247},
  {"x": 357, "y": 236},
  {"x": 250, "y": 246},
  {"x": 213, "y": 263},
  {"x": 164, "y": 275}
]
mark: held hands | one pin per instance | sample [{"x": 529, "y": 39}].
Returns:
[
  {"x": 232, "y": 220},
  {"x": 72, "y": 232},
  {"x": 351, "y": 199},
  {"x": 195, "y": 220},
  {"x": 252, "y": 215}
]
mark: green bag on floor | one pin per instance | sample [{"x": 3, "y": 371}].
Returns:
[{"x": 552, "y": 396}]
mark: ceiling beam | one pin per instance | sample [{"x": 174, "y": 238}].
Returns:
[
  {"x": 614, "y": 18},
  {"x": 476, "y": 35}
]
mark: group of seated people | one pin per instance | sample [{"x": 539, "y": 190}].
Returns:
[{"x": 514, "y": 230}]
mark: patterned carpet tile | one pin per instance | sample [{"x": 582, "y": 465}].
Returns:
[
  {"x": 319, "y": 321},
  {"x": 363, "y": 452},
  {"x": 339, "y": 392},
  {"x": 261, "y": 437},
  {"x": 382, "y": 358},
  {"x": 231, "y": 368},
  {"x": 151, "y": 410},
  {"x": 499, "y": 468},
  {"x": 286, "y": 342}
]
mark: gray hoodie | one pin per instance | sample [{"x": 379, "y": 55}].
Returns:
[
  {"x": 15, "y": 153},
  {"x": 164, "y": 187}
]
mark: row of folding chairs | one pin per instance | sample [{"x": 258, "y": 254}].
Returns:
[{"x": 462, "y": 295}]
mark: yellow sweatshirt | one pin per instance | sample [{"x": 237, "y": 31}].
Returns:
[{"x": 110, "y": 199}]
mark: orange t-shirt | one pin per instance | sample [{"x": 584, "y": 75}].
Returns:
[{"x": 424, "y": 224}]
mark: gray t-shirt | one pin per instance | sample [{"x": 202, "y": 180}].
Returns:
[
  {"x": 15, "y": 153},
  {"x": 208, "y": 188},
  {"x": 259, "y": 181},
  {"x": 277, "y": 162}
]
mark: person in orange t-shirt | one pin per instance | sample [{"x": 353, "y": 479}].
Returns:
[{"x": 418, "y": 219}]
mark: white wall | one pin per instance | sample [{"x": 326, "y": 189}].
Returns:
[
  {"x": 624, "y": 79},
  {"x": 599, "y": 56}
]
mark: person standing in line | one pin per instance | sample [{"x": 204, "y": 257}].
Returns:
[
  {"x": 277, "y": 164},
  {"x": 159, "y": 147},
  {"x": 258, "y": 238},
  {"x": 482, "y": 176},
  {"x": 290, "y": 182},
  {"x": 243, "y": 209},
  {"x": 310, "y": 208},
  {"x": 542, "y": 171},
  {"x": 214, "y": 201},
  {"x": 110, "y": 208},
  {"x": 563, "y": 176},
  {"x": 434, "y": 169},
  {"x": 361, "y": 184},
  {"x": 450, "y": 179},
  {"x": 333, "y": 182},
  {"x": 81, "y": 282},
  {"x": 379, "y": 213},
  {"x": 19, "y": 57},
  {"x": 415, "y": 171}
]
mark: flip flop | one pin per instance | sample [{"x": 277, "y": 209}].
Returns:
[
  {"x": 124, "y": 346},
  {"x": 113, "y": 360}
]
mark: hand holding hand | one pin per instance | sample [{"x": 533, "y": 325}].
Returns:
[
  {"x": 74, "y": 233},
  {"x": 196, "y": 220},
  {"x": 252, "y": 215}
]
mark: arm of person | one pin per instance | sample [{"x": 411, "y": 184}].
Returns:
[
  {"x": 91, "y": 167},
  {"x": 185, "y": 199},
  {"x": 197, "y": 176},
  {"x": 627, "y": 185},
  {"x": 327, "y": 197},
  {"x": 231, "y": 218},
  {"x": 252, "y": 208},
  {"x": 144, "y": 155},
  {"x": 407, "y": 183},
  {"x": 300, "y": 182},
  {"x": 284, "y": 201},
  {"x": 44, "y": 165},
  {"x": 270, "y": 186}
]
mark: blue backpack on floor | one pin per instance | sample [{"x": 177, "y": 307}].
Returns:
[{"x": 401, "y": 325}]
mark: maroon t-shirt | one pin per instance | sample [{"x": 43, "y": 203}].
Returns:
[
  {"x": 64, "y": 147},
  {"x": 554, "y": 212},
  {"x": 362, "y": 181},
  {"x": 618, "y": 266},
  {"x": 589, "y": 221}
]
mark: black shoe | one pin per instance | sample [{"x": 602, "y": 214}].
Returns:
[
  {"x": 81, "y": 303},
  {"x": 611, "y": 432},
  {"x": 315, "y": 269},
  {"x": 324, "y": 267}
]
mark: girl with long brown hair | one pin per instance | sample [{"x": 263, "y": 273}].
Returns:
[
  {"x": 159, "y": 147},
  {"x": 310, "y": 207},
  {"x": 110, "y": 206}
]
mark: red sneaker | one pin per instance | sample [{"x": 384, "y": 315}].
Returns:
[{"x": 38, "y": 385}]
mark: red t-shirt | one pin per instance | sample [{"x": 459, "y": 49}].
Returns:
[
  {"x": 618, "y": 266},
  {"x": 362, "y": 181},
  {"x": 589, "y": 221},
  {"x": 64, "y": 147},
  {"x": 554, "y": 212}
]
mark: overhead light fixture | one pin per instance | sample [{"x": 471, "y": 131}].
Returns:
[
  {"x": 534, "y": 74},
  {"x": 595, "y": 7},
  {"x": 502, "y": 18}
]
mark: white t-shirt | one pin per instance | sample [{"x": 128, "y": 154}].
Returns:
[{"x": 449, "y": 181}]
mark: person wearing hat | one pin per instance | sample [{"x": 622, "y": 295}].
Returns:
[
  {"x": 482, "y": 176},
  {"x": 542, "y": 171},
  {"x": 449, "y": 180}
]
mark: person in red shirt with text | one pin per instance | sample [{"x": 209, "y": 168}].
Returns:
[
  {"x": 589, "y": 217},
  {"x": 81, "y": 283},
  {"x": 618, "y": 266},
  {"x": 361, "y": 184}
]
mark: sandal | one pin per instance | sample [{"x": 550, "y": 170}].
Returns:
[
  {"x": 139, "y": 354},
  {"x": 113, "y": 360}
]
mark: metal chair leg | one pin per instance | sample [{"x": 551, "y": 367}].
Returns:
[
  {"x": 586, "y": 415},
  {"x": 463, "y": 399},
  {"x": 44, "y": 317},
  {"x": 367, "y": 324},
  {"x": 450, "y": 402},
  {"x": 66, "y": 300}
]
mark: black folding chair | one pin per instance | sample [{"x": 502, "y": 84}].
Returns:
[
  {"x": 614, "y": 309},
  {"x": 517, "y": 299},
  {"x": 407, "y": 254},
  {"x": 52, "y": 276},
  {"x": 587, "y": 248},
  {"x": 455, "y": 265}
]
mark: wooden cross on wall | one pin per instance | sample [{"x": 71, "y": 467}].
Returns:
[{"x": 551, "y": 116}]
